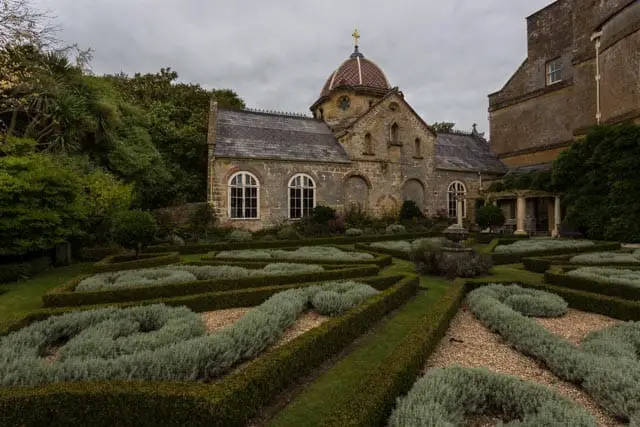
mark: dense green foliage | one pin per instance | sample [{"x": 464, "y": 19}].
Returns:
[
  {"x": 609, "y": 370},
  {"x": 134, "y": 229},
  {"x": 451, "y": 396},
  {"x": 410, "y": 210},
  {"x": 601, "y": 184},
  {"x": 158, "y": 342},
  {"x": 490, "y": 216}
]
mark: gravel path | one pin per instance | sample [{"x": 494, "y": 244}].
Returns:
[{"x": 468, "y": 343}]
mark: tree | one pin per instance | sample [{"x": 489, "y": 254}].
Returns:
[
  {"x": 601, "y": 184},
  {"x": 443, "y": 127},
  {"x": 134, "y": 229},
  {"x": 490, "y": 216}
]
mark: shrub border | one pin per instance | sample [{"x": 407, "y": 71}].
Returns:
[
  {"x": 390, "y": 252},
  {"x": 381, "y": 260},
  {"x": 107, "y": 264},
  {"x": 339, "y": 240},
  {"x": 66, "y": 296},
  {"x": 500, "y": 258},
  {"x": 228, "y": 402},
  {"x": 593, "y": 286}
]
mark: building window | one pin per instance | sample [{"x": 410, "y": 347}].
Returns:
[
  {"x": 455, "y": 192},
  {"x": 368, "y": 145},
  {"x": 417, "y": 148},
  {"x": 394, "y": 132},
  {"x": 244, "y": 190},
  {"x": 302, "y": 196},
  {"x": 554, "y": 71}
]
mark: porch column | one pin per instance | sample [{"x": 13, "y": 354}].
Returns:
[
  {"x": 521, "y": 209},
  {"x": 459, "y": 211},
  {"x": 556, "y": 217}
]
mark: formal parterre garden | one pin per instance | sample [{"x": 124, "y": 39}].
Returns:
[{"x": 328, "y": 336}]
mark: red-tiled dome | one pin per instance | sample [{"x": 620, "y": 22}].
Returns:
[{"x": 356, "y": 71}]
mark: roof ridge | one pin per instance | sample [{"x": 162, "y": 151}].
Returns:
[{"x": 273, "y": 113}]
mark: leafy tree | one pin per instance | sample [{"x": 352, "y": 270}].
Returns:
[
  {"x": 601, "y": 184},
  {"x": 490, "y": 216},
  {"x": 443, "y": 126},
  {"x": 134, "y": 229},
  {"x": 410, "y": 210},
  {"x": 39, "y": 200}
]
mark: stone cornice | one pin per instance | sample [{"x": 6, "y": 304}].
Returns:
[
  {"x": 535, "y": 149},
  {"x": 499, "y": 105}
]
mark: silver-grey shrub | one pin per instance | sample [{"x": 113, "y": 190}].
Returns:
[
  {"x": 614, "y": 276},
  {"x": 406, "y": 246},
  {"x": 532, "y": 245},
  {"x": 611, "y": 377},
  {"x": 173, "y": 274},
  {"x": 158, "y": 342},
  {"x": 600, "y": 258},
  {"x": 396, "y": 229},
  {"x": 314, "y": 253},
  {"x": 451, "y": 396}
]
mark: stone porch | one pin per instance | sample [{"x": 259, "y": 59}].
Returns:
[{"x": 529, "y": 212}]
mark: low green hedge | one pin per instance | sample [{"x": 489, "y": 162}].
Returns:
[
  {"x": 542, "y": 264},
  {"x": 129, "y": 262},
  {"x": 485, "y": 238},
  {"x": 66, "y": 296},
  {"x": 594, "y": 286},
  {"x": 375, "y": 399},
  {"x": 199, "y": 302},
  {"x": 381, "y": 260},
  {"x": 232, "y": 401},
  {"x": 230, "y": 246},
  {"x": 23, "y": 270},
  {"x": 505, "y": 258}
]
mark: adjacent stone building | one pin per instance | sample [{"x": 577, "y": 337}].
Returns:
[{"x": 365, "y": 147}]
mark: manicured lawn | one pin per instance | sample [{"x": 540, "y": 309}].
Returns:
[{"x": 337, "y": 385}]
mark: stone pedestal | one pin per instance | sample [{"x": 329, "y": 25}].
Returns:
[{"x": 456, "y": 233}]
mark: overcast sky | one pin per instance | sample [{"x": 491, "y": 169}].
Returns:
[{"x": 445, "y": 55}]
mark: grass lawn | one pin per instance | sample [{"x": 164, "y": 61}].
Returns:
[{"x": 337, "y": 385}]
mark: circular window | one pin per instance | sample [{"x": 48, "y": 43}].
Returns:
[{"x": 344, "y": 102}]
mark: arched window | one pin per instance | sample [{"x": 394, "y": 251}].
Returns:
[
  {"x": 456, "y": 191},
  {"x": 244, "y": 190},
  {"x": 368, "y": 146},
  {"x": 417, "y": 148},
  {"x": 302, "y": 196},
  {"x": 394, "y": 132}
]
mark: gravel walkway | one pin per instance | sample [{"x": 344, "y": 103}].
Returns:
[{"x": 468, "y": 343}]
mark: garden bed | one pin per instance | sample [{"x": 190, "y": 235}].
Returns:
[
  {"x": 396, "y": 248},
  {"x": 305, "y": 254},
  {"x": 130, "y": 262},
  {"x": 229, "y": 401},
  {"x": 616, "y": 282},
  {"x": 601, "y": 373},
  {"x": 514, "y": 251},
  {"x": 134, "y": 288}
]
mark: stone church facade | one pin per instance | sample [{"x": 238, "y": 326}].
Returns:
[{"x": 365, "y": 147}]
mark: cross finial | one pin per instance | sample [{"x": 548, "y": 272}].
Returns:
[{"x": 356, "y": 36}]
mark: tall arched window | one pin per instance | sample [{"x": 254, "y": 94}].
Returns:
[
  {"x": 368, "y": 145},
  {"x": 394, "y": 134},
  {"x": 417, "y": 148},
  {"x": 456, "y": 191},
  {"x": 244, "y": 190},
  {"x": 302, "y": 196}
]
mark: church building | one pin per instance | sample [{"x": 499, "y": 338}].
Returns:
[{"x": 364, "y": 147}]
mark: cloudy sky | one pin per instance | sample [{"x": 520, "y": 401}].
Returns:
[{"x": 445, "y": 55}]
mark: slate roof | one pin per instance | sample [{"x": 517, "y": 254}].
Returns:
[
  {"x": 466, "y": 153},
  {"x": 260, "y": 135}
]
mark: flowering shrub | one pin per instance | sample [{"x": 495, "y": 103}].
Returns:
[{"x": 240, "y": 236}]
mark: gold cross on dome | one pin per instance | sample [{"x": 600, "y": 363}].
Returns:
[{"x": 356, "y": 36}]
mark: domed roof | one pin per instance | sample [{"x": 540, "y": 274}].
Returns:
[{"x": 356, "y": 71}]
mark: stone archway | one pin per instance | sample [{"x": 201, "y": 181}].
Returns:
[
  {"x": 356, "y": 193},
  {"x": 414, "y": 190}
]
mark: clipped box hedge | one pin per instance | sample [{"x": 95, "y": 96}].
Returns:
[
  {"x": 374, "y": 400},
  {"x": 588, "y": 285},
  {"x": 209, "y": 301},
  {"x": 381, "y": 260},
  {"x": 506, "y": 258},
  {"x": 129, "y": 262},
  {"x": 229, "y": 402},
  {"x": 278, "y": 244},
  {"x": 66, "y": 295}
]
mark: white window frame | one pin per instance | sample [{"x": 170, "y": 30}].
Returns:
[
  {"x": 554, "y": 71},
  {"x": 456, "y": 188},
  {"x": 290, "y": 186},
  {"x": 244, "y": 174}
]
